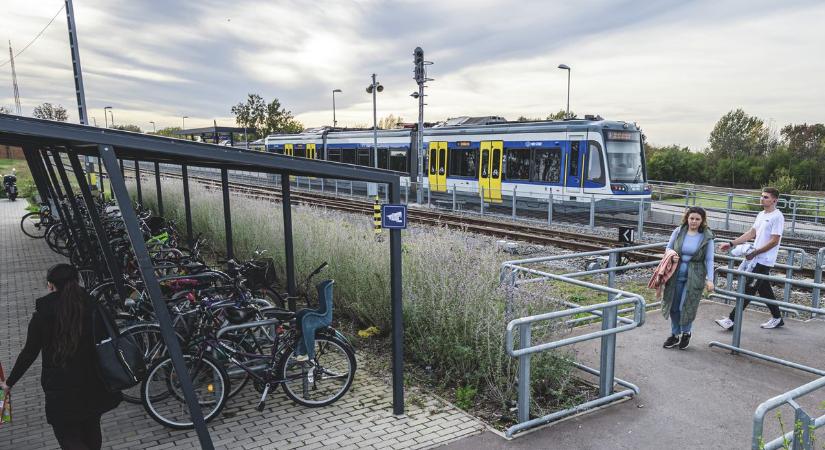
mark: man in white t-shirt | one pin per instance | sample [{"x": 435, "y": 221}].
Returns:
[{"x": 767, "y": 232}]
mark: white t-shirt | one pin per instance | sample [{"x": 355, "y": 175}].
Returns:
[{"x": 766, "y": 225}]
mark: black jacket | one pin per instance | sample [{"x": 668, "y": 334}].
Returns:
[{"x": 74, "y": 392}]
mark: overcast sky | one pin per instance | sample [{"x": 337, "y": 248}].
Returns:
[{"x": 674, "y": 67}]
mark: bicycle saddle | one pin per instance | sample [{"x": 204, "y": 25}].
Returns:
[{"x": 237, "y": 315}]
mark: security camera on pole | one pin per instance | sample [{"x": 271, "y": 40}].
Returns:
[{"x": 420, "y": 78}]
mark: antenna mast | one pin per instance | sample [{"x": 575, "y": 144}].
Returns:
[{"x": 17, "y": 106}]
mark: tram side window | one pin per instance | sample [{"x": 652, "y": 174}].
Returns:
[
  {"x": 382, "y": 158},
  {"x": 547, "y": 165},
  {"x": 364, "y": 157},
  {"x": 595, "y": 167},
  {"x": 300, "y": 152},
  {"x": 398, "y": 160},
  {"x": 348, "y": 155},
  {"x": 464, "y": 163},
  {"x": 518, "y": 163},
  {"x": 574, "y": 159},
  {"x": 334, "y": 154}
]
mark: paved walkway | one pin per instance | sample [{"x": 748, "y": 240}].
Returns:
[
  {"x": 361, "y": 419},
  {"x": 701, "y": 397}
]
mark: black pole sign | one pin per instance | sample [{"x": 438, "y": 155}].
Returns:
[{"x": 626, "y": 235}]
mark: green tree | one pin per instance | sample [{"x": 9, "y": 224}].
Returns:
[
  {"x": 561, "y": 115},
  {"x": 806, "y": 143},
  {"x": 50, "y": 112},
  {"x": 389, "y": 122},
  {"x": 738, "y": 135},
  {"x": 128, "y": 127},
  {"x": 168, "y": 132},
  {"x": 263, "y": 118}
]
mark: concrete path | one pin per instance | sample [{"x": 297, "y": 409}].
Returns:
[
  {"x": 700, "y": 398},
  {"x": 361, "y": 419}
]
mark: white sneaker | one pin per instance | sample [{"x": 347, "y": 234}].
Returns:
[
  {"x": 773, "y": 323},
  {"x": 301, "y": 358},
  {"x": 725, "y": 323}
]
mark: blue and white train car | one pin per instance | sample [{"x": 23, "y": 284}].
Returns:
[{"x": 575, "y": 160}]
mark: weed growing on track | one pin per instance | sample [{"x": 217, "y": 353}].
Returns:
[{"x": 453, "y": 307}]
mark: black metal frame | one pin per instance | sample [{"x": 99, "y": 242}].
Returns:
[{"x": 35, "y": 136}]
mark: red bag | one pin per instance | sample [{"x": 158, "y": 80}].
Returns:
[{"x": 5, "y": 401}]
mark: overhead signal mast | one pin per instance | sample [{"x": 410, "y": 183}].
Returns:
[{"x": 18, "y": 108}]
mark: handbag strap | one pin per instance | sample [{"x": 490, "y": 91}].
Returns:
[{"x": 104, "y": 317}]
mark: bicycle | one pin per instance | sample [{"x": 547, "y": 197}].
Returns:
[{"x": 35, "y": 224}]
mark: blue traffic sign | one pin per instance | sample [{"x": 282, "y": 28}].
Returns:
[{"x": 394, "y": 217}]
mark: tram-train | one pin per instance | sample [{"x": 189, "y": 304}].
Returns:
[{"x": 570, "y": 161}]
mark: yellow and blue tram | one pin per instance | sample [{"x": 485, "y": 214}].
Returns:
[{"x": 574, "y": 160}]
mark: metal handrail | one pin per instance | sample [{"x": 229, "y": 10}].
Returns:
[{"x": 807, "y": 424}]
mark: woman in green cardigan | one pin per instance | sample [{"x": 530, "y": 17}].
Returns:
[{"x": 693, "y": 241}]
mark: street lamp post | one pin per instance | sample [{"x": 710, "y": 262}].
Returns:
[
  {"x": 106, "y": 116},
  {"x": 153, "y": 127},
  {"x": 334, "y": 122},
  {"x": 567, "y": 68},
  {"x": 373, "y": 89},
  {"x": 183, "y": 123}
]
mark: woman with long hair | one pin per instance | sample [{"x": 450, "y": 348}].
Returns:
[
  {"x": 61, "y": 328},
  {"x": 693, "y": 242}
]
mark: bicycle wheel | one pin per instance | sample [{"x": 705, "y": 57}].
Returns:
[
  {"x": 148, "y": 338},
  {"x": 322, "y": 381},
  {"x": 209, "y": 381},
  {"x": 271, "y": 296},
  {"x": 33, "y": 225}
]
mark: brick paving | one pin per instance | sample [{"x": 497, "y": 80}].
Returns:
[{"x": 361, "y": 419}]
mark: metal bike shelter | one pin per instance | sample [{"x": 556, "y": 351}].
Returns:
[{"x": 45, "y": 143}]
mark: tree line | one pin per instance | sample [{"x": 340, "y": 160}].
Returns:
[{"x": 746, "y": 153}]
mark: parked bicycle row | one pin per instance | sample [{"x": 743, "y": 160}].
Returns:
[{"x": 229, "y": 317}]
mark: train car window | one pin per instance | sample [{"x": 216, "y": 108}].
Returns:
[
  {"x": 574, "y": 159},
  {"x": 398, "y": 160},
  {"x": 300, "y": 151},
  {"x": 334, "y": 154},
  {"x": 595, "y": 167},
  {"x": 485, "y": 164},
  {"x": 364, "y": 157},
  {"x": 547, "y": 165},
  {"x": 442, "y": 161},
  {"x": 433, "y": 161},
  {"x": 496, "y": 164},
  {"x": 382, "y": 158},
  {"x": 463, "y": 162},
  {"x": 348, "y": 155},
  {"x": 518, "y": 163},
  {"x": 279, "y": 150}
]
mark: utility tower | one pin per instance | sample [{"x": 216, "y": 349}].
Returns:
[{"x": 18, "y": 109}]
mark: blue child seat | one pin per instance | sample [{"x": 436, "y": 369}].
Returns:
[{"x": 311, "y": 320}]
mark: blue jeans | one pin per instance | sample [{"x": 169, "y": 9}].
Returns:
[{"x": 679, "y": 302}]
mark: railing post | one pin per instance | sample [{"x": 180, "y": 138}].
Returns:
[
  {"x": 789, "y": 274},
  {"x": 737, "y": 323},
  {"x": 429, "y": 195},
  {"x": 687, "y": 198},
  {"x": 514, "y": 202},
  {"x": 802, "y": 440},
  {"x": 592, "y": 211},
  {"x": 453, "y": 198},
  {"x": 793, "y": 219},
  {"x": 607, "y": 356},
  {"x": 817, "y": 279},
  {"x": 640, "y": 227},
  {"x": 481, "y": 199},
  {"x": 550, "y": 208},
  {"x": 727, "y": 212},
  {"x": 816, "y": 217},
  {"x": 407, "y": 193},
  {"x": 336, "y": 187},
  {"x": 524, "y": 375}
]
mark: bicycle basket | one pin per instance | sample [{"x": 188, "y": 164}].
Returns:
[{"x": 262, "y": 273}]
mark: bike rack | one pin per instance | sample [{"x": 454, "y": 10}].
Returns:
[{"x": 804, "y": 425}]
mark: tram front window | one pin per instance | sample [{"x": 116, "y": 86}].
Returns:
[{"x": 624, "y": 157}]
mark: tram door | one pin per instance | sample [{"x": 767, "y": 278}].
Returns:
[
  {"x": 311, "y": 151},
  {"x": 574, "y": 164},
  {"x": 288, "y": 149},
  {"x": 489, "y": 171},
  {"x": 437, "y": 174}
]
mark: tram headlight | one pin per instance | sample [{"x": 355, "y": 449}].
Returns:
[{"x": 618, "y": 187}]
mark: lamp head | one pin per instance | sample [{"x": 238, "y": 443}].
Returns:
[
  {"x": 336, "y": 90},
  {"x": 564, "y": 67},
  {"x": 414, "y": 95},
  {"x": 369, "y": 89},
  {"x": 379, "y": 88}
]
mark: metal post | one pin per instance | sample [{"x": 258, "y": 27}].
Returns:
[
  {"x": 397, "y": 311},
  {"x": 454, "y": 198},
  {"x": 137, "y": 182},
  {"x": 153, "y": 288},
  {"x": 336, "y": 187},
  {"x": 816, "y": 217},
  {"x": 37, "y": 172},
  {"x": 738, "y": 312},
  {"x": 514, "y": 202},
  {"x": 429, "y": 192},
  {"x": 793, "y": 218},
  {"x": 227, "y": 214},
  {"x": 729, "y": 276},
  {"x": 524, "y": 375},
  {"x": 54, "y": 189},
  {"x": 789, "y": 274},
  {"x": 550, "y": 208},
  {"x": 65, "y": 214},
  {"x": 592, "y": 211},
  {"x": 607, "y": 355},
  {"x": 157, "y": 187},
  {"x": 407, "y": 194},
  {"x": 727, "y": 212},
  {"x": 817, "y": 278},
  {"x": 187, "y": 207},
  {"x": 802, "y": 440},
  {"x": 687, "y": 198},
  {"x": 84, "y": 244},
  {"x": 288, "y": 245},
  {"x": 481, "y": 199},
  {"x": 640, "y": 226}
]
